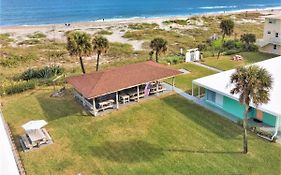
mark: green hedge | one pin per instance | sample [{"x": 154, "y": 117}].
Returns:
[
  {"x": 17, "y": 88},
  {"x": 46, "y": 72}
]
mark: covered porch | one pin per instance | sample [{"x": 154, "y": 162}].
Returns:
[
  {"x": 105, "y": 91},
  {"x": 123, "y": 97}
]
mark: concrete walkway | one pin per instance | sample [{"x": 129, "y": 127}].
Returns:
[{"x": 206, "y": 66}]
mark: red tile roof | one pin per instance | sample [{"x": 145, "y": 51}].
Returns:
[{"x": 104, "y": 82}]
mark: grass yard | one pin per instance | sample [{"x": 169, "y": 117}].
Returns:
[
  {"x": 224, "y": 62},
  {"x": 184, "y": 82},
  {"x": 181, "y": 138}
]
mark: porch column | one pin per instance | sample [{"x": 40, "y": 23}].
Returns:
[
  {"x": 192, "y": 93},
  {"x": 117, "y": 101},
  {"x": 94, "y": 107},
  {"x": 138, "y": 93},
  {"x": 157, "y": 88},
  {"x": 198, "y": 91},
  {"x": 277, "y": 124},
  {"x": 83, "y": 101},
  {"x": 173, "y": 83}
]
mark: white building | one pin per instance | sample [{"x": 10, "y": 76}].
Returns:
[
  {"x": 192, "y": 55},
  {"x": 271, "y": 41},
  {"x": 217, "y": 93}
]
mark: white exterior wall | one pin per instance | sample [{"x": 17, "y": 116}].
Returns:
[{"x": 271, "y": 35}]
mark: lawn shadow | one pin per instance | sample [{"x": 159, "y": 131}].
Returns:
[
  {"x": 208, "y": 119},
  {"x": 127, "y": 151},
  {"x": 183, "y": 150},
  {"x": 58, "y": 107}
]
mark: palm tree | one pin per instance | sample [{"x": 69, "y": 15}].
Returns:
[
  {"x": 100, "y": 44},
  {"x": 227, "y": 27},
  {"x": 158, "y": 45},
  {"x": 253, "y": 84},
  {"x": 79, "y": 44}
]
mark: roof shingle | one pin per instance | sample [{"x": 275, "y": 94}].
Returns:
[{"x": 99, "y": 83}]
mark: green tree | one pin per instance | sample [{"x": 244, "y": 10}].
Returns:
[
  {"x": 253, "y": 85},
  {"x": 79, "y": 44},
  {"x": 100, "y": 45},
  {"x": 248, "y": 38},
  {"x": 227, "y": 27},
  {"x": 158, "y": 45}
]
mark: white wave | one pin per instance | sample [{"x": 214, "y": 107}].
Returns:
[
  {"x": 256, "y": 5},
  {"x": 218, "y": 7}
]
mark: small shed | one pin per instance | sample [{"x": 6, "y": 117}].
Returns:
[{"x": 192, "y": 55}]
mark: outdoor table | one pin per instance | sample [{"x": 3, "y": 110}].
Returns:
[
  {"x": 125, "y": 98},
  {"x": 36, "y": 136}
]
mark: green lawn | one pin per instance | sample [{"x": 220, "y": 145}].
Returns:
[
  {"x": 184, "y": 82},
  {"x": 224, "y": 62},
  {"x": 181, "y": 138}
]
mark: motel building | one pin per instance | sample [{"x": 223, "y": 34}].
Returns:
[{"x": 215, "y": 93}]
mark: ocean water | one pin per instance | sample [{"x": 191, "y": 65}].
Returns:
[{"x": 30, "y": 12}]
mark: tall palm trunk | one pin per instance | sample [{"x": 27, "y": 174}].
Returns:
[
  {"x": 98, "y": 61},
  {"x": 82, "y": 65},
  {"x": 245, "y": 135},
  {"x": 221, "y": 46},
  {"x": 156, "y": 54}
]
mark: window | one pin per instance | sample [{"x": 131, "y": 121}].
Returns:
[
  {"x": 274, "y": 46},
  {"x": 276, "y": 35},
  {"x": 211, "y": 96},
  {"x": 269, "y": 32},
  {"x": 215, "y": 98},
  {"x": 271, "y": 21}
]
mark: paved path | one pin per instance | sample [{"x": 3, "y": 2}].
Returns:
[{"x": 208, "y": 67}]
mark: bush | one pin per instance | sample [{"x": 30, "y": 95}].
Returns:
[
  {"x": 15, "y": 60},
  {"x": 46, "y": 72},
  {"x": 179, "y": 22},
  {"x": 104, "y": 32},
  {"x": 173, "y": 59},
  {"x": 142, "y": 26},
  {"x": 201, "y": 47},
  {"x": 17, "y": 87},
  {"x": 231, "y": 52},
  {"x": 250, "y": 47},
  {"x": 36, "y": 35}
]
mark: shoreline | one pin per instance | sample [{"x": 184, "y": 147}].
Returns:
[{"x": 122, "y": 21}]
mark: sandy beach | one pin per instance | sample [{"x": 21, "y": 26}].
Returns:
[{"x": 117, "y": 27}]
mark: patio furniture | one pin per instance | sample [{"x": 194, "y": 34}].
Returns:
[
  {"x": 34, "y": 124},
  {"x": 124, "y": 98},
  {"x": 134, "y": 96},
  {"x": 106, "y": 104},
  {"x": 36, "y": 137},
  {"x": 25, "y": 142}
]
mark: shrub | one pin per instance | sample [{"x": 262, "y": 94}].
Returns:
[
  {"x": 248, "y": 38},
  {"x": 46, "y": 72},
  {"x": 15, "y": 60},
  {"x": 104, "y": 32},
  {"x": 142, "y": 26},
  {"x": 250, "y": 47},
  {"x": 17, "y": 87},
  {"x": 179, "y": 22},
  {"x": 201, "y": 47},
  {"x": 36, "y": 35},
  {"x": 231, "y": 52},
  {"x": 30, "y": 42},
  {"x": 173, "y": 59},
  {"x": 5, "y": 39}
]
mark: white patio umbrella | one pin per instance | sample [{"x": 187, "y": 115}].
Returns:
[{"x": 34, "y": 124}]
